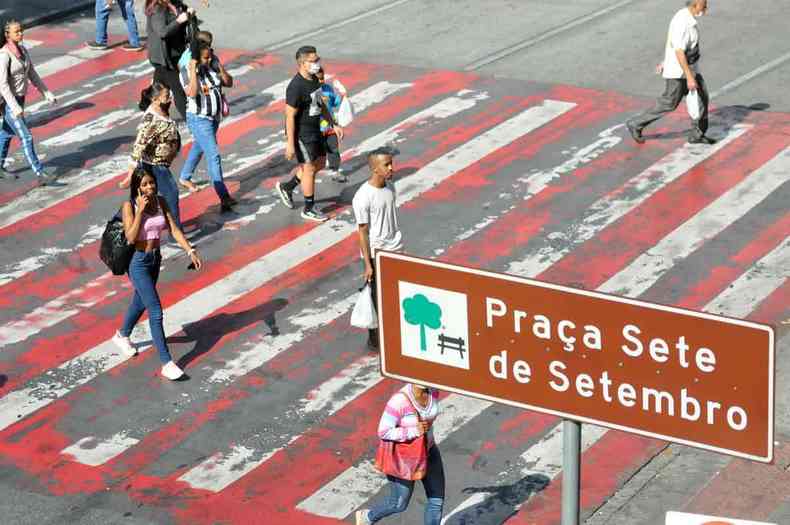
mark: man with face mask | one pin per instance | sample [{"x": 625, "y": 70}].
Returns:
[
  {"x": 304, "y": 108},
  {"x": 680, "y": 70}
]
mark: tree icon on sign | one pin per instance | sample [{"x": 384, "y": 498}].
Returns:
[{"x": 418, "y": 310}]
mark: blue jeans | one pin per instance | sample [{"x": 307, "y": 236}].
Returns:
[
  {"x": 17, "y": 126},
  {"x": 127, "y": 12},
  {"x": 166, "y": 185},
  {"x": 204, "y": 133},
  {"x": 143, "y": 273},
  {"x": 401, "y": 490}
]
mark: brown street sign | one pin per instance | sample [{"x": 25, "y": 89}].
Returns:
[{"x": 683, "y": 376}]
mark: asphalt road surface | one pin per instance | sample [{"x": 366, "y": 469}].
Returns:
[{"x": 507, "y": 118}]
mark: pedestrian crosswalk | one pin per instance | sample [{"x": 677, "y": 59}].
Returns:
[{"x": 277, "y": 421}]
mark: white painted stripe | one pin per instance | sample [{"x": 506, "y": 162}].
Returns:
[
  {"x": 43, "y": 390},
  {"x": 68, "y": 61},
  {"x": 443, "y": 109},
  {"x": 511, "y": 50},
  {"x": 93, "y": 451},
  {"x": 756, "y": 285},
  {"x": 357, "y": 484},
  {"x": 95, "y": 128},
  {"x": 219, "y": 471},
  {"x": 651, "y": 265},
  {"x": 335, "y": 393},
  {"x": 86, "y": 91},
  {"x": 376, "y": 94},
  {"x": 544, "y": 459},
  {"x": 628, "y": 197},
  {"x": 33, "y": 108},
  {"x": 70, "y": 304},
  {"x": 222, "y": 469},
  {"x": 756, "y": 72}
]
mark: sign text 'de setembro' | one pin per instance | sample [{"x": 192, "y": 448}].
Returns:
[{"x": 684, "y": 376}]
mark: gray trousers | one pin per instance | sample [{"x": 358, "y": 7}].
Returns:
[{"x": 674, "y": 92}]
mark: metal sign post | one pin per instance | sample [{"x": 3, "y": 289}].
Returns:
[{"x": 571, "y": 470}]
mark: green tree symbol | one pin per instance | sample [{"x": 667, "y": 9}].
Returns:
[{"x": 418, "y": 310}]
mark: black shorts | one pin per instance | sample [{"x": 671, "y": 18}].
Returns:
[{"x": 310, "y": 151}]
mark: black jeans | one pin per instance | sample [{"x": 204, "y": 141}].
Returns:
[
  {"x": 674, "y": 91},
  {"x": 170, "y": 78},
  {"x": 332, "y": 152}
]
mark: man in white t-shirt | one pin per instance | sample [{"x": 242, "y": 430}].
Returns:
[
  {"x": 680, "y": 70},
  {"x": 375, "y": 212}
]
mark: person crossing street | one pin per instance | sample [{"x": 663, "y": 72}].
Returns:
[
  {"x": 374, "y": 206},
  {"x": 16, "y": 71},
  {"x": 304, "y": 108},
  {"x": 103, "y": 8},
  {"x": 680, "y": 70}
]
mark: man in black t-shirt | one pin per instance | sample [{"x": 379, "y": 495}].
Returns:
[{"x": 304, "y": 109}]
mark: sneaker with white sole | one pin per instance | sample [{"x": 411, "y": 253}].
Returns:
[
  {"x": 362, "y": 517},
  {"x": 314, "y": 215},
  {"x": 125, "y": 344},
  {"x": 285, "y": 195},
  {"x": 171, "y": 371}
]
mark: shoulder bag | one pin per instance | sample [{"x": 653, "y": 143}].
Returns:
[{"x": 405, "y": 460}]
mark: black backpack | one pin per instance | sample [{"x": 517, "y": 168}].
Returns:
[{"x": 115, "y": 251}]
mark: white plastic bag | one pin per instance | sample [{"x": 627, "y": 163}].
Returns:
[
  {"x": 339, "y": 87},
  {"x": 694, "y": 105},
  {"x": 364, "y": 313},
  {"x": 345, "y": 113}
]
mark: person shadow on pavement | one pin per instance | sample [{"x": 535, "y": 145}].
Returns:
[
  {"x": 499, "y": 502},
  {"x": 206, "y": 333},
  {"x": 725, "y": 117},
  {"x": 45, "y": 117}
]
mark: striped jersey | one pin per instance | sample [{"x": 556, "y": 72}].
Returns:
[
  {"x": 208, "y": 100},
  {"x": 399, "y": 421}
]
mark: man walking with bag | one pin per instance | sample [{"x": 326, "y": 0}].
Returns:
[
  {"x": 374, "y": 210},
  {"x": 680, "y": 70}
]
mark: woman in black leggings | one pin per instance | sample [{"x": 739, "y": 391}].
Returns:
[{"x": 167, "y": 40}]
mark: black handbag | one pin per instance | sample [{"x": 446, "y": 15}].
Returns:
[{"x": 115, "y": 251}]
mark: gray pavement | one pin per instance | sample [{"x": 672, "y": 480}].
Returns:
[
  {"x": 580, "y": 43},
  {"x": 36, "y": 12}
]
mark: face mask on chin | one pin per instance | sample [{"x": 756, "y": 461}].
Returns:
[{"x": 165, "y": 106}]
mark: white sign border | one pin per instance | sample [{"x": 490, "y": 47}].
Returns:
[{"x": 598, "y": 295}]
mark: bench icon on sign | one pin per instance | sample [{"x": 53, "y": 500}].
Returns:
[
  {"x": 434, "y": 325},
  {"x": 451, "y": 343}
]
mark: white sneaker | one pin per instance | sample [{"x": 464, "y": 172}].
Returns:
[
  {"x": 362, "y": 517},
  {"x": 171, "y": 371},
  {"x": 124, "y": 344}
]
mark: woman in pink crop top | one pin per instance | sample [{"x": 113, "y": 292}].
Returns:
[{"x": 145, "y": 217}]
